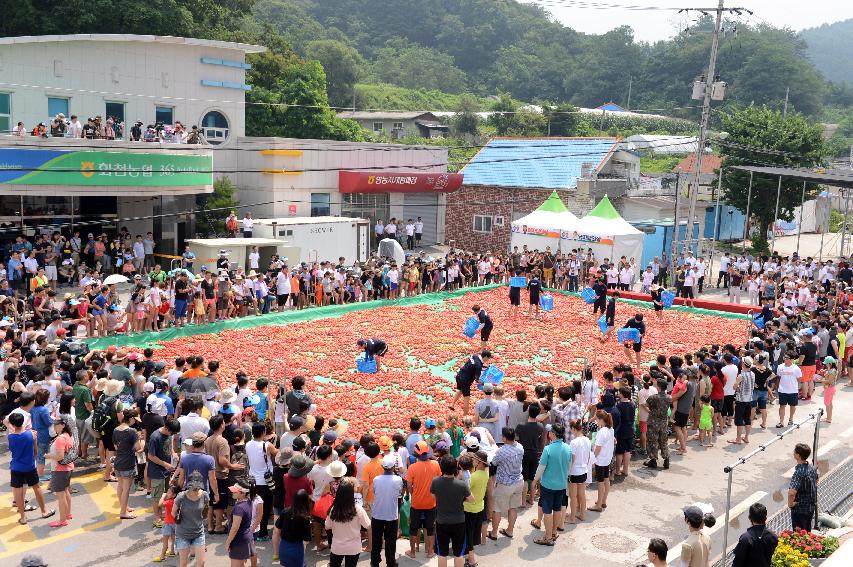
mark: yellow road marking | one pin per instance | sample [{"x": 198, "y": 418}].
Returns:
[{"x": 16, "y": 538}]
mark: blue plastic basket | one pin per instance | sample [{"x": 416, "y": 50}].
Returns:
[
  {"x": 491, "y": 375},
  {"x": 546, "y": 302},
  {"x": 602, "y": 323},
  {"x": 365, "y": 366},
  {"x": 518, "y": 281},
  {"x": 758, "y": 321},
  {"x": 470, "y": 328},
  {"x": 667, "y": 298},
  {"x": 628, "y": 334},
  {"x": 588, "y": 295}
]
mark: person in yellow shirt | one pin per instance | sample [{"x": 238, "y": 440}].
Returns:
[
  {"x": 477, "y": 484},
  {"x": 38, "y": 280}
]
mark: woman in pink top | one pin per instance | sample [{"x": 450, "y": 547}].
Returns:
[
  {"x": 60, "y": 480},
  {"x": 346, "y": 519}
]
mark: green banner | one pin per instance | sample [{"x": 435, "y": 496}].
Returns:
[{"x": 98, "y": 168}]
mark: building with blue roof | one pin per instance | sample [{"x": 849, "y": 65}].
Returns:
[{"x": 510, "y": 177}]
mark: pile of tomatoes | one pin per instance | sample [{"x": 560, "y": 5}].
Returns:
[{"x": 426, "y": 347}]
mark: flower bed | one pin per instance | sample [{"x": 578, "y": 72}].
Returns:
[
  {"x": 796, "y": 547},
  {"x": 426, "y": 347}
]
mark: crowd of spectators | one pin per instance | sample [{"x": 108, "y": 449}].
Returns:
[{"x": 111, "y": 128}]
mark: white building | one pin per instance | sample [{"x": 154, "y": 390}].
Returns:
[
  {"x": 161, "y": 79},
  {"x": 130, "y": 77}
]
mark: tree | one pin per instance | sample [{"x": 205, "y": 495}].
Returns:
[
  {"x": 761, "y": 136},
  {"x": 414, "y": 66},
  {"x": 466, "y": 121},
  {"x": 288, "y": 98},
  {"x": 503, "y": 118},
  {"x": 343, "y": 66},
  {"x": 213, "y": 207},
  {"x": 567, "y": 120}
]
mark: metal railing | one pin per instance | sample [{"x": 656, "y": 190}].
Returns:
[{"x": 729, "y": 470}]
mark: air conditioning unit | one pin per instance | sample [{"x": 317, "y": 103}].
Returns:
[{"x": 498, "y": 221}]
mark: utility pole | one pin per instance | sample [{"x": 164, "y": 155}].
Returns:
[
  {"x": 630, "y": 84},
  {"x": 785, "y": 108},
  {"x": 711, "y": 89}
]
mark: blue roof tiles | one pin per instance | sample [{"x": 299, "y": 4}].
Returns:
[{"x": 553, "y": 163}]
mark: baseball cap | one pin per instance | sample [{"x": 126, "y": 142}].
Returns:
[
  {"x": 235, "y": 488},
  {"x": 441, "y": 446},
  {"x": 148, "y": 387},
  {"x": 829, "y": 360},
  {"x": 330, "y": 436},
  {"x": 421, "y": 448},
  {"x": 472, "y": 443},
  {"x": 488, "y": 388},
  {"x": 429, "y": 423},
  {"x": 158, "y": 366},
  {"x": 389, "y": 462},
  {"x": 694, "y": 514},
  {"x": 198, "y": 439},
  {"x": 296, "y": 421}
]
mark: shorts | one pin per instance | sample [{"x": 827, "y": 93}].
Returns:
[
  {"x": 473, "y": 529},
  {"x": 624, "y": 445},
  {"x": 514, "y": 299},
  {"x": 717, "y": 406},
  {"x": 180, "y": 308},
  {"x": 85, "y": 433},
  {"x": 158, "y": 487},
  {"x": 181, "y": 543},
  {"x": 422, "y": 519},
  {"x": 140, "y": 315},
  {"x": 529, "y": 463},
  {"x": 828, "y": 394},
  {"x": 507, "y": 497},
  {"x": 224, "y": 495},
  {"x": 28, "y": 478},
  {"x": 60, "y": 481},
  {"x": 394, "y": 286},
  {"x": 680, "y": 419},
  {"x": 125, "y": 474},
  {"x": 551, "y": 500},
  {"x": 108, "y": 441},
  {"x": 168, "y": 530},
  {"x": 687, "y": 291},
  {"x": 729, "y": 406},
  {"x": 548, "y": 273},
  {"x": 743, "y": 413},
  {"x": 485, "y": 332},
  {"x": 788, "y": 399},
  {"x": 808, "y": 373},
  {"x": 759, "y": 399},
  {"x": 638, "y": 347},
  {"x": 464, "y": 387},
  {"x": 577, "y": 479},
  {"x": 644, "y": 426},
  {"x": 601, "y": 473},
  {"x": 43, "y": 449},
  {"x": 242, "y": 550},
  {"x": 450, "y": 537},
  {"x": 210, "y": 301}
]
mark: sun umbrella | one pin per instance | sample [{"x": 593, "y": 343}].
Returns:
[
  {"x": 199, "y": 385},
  {"x": 115, "y": 278},
  {"x": 177, "y": 272}
]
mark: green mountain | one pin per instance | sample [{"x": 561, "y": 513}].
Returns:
[
  {"x": 829, "y": 47},
  {"x": 486, "y": 47}
]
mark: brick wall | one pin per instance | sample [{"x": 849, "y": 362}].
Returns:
[{"x": 469, "y": 201}]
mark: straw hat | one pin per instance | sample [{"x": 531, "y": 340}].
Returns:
[
  {"x": 337, "y": 469},
  {"x": 101, "y": 384},
  {"x": 229, "y": 396},
  {"x": 253, "y": 274},
  {"x": 120, "y": 356},
  {"x": 113, "y": 387}
]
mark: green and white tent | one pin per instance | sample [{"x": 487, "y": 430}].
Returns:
[
  {"x": 607, "y": 233},
  {"x": 544, "y": 226}
]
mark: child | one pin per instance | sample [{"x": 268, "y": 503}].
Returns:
[
  {"x": 168, "y": 529},
  {"x": 238, "y": 457},
  {"x": 198, "y": 308},
  {"x": 457, "y": 434},
  {"x": 830, "y": 375},
  {"x": 706, "y": 416}
]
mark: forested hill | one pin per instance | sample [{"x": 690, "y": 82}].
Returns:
[
  {"x": 830, "y": 46},
  {"x": 490, "y": 46}
]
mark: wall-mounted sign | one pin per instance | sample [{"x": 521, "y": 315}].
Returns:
[
  {"x": 397, "y": 182},
  {"x": 70, "y": 167},
  {"x": 586, "y": 238}
]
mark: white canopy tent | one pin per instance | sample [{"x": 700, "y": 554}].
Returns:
[
  {"x": 543, "y": 227},
  {"x": 607, "y": 233}
]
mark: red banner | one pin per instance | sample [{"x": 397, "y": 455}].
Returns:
[{"x": 397, "y": 182}]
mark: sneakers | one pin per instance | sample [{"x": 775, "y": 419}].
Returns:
[
  {"x": 651, "y": 463},
  {"x": 666, "y": 463},
  {"x": 159, "y": 559}
]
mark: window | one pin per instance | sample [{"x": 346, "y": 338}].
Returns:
[
  {"x": 214, "y": 126},
  {"x": 57, "y": 105},
  {"x": 482, "y": 223},
  {"x": 5, "y": 112},
  {"x": 116, "y": 110},
  {"x": 499, "y": 221},
  {"x": 320, "y": 206},
  {"x": 398, "y": 125},
  {"x": 164, "y": 114},
  {"x": 378, "y": 126}
]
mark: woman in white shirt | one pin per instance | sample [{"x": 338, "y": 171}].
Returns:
[
  {"x": 603, "y": 451},
  {"x": 578, "y": 469},
  {"x": 261, "y": 455}
]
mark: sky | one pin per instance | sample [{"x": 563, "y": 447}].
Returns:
[{"x": 653, "y": 25}]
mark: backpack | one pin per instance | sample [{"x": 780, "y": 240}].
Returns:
[
  {"x": 104, "y": 416},
  {"x": 70, "y": 454}
]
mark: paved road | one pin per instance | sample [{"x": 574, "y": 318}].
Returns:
[{"x": 645, "y": 505}]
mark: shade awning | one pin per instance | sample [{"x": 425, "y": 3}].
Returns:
[{"x": 835, "y": 177}]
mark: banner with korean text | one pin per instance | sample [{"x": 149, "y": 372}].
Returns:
[{"x": 99, "y": 168}]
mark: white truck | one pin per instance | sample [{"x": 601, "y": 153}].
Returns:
[{"x": 319, "y": 238}]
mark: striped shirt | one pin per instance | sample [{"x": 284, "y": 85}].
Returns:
[{"x": 508, "y": 462}]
